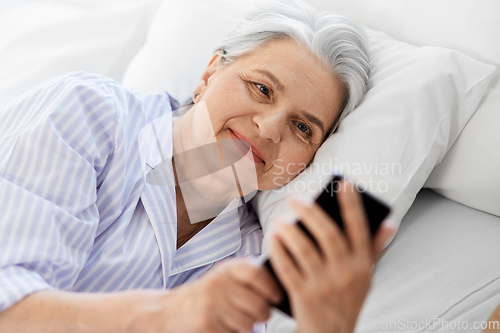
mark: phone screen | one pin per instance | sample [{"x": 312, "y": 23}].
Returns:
[{"x": 376, "y": 212}]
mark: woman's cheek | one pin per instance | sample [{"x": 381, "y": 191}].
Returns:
[{"x": 296, "y": 164}]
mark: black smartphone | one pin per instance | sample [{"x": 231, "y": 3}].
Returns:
[{"x": 376, "y": 212}]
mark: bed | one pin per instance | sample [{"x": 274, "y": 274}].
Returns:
[{"x": 441, "y": 272}]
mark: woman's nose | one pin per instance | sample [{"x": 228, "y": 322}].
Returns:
[{"x": 270, "y": 125}]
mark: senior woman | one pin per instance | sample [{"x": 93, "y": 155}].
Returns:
[{"x": 88, "y": 244}]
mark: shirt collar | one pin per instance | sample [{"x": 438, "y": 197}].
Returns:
[{"x": 219, "y": 239}]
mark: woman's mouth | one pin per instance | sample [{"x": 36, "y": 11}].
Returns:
[{"x": 243, "y": 144}]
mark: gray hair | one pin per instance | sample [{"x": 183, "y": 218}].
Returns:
[{"x": 335, "y": 39}]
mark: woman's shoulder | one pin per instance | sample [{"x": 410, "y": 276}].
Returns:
[
  {"x": 102, "y": 88},
  {"x": 131, "y": 105},
  {"x": 91, "y": 113},
  {"x": 102, "y": 96}
]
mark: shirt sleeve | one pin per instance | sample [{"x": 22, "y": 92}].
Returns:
[{"x": 55, "y": 141}]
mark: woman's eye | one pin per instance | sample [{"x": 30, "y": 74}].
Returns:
[
  {"x": 263, "y": 89},
  {"x": 302, "y": 127}
]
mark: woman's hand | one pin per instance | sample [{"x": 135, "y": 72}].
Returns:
[
  {"x": 229, "y": 298},
  {"x": 327, "y": 287},
  {"x": 232, "y": 297}
]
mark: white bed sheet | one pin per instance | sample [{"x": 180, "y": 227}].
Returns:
[{"x": 442, "y": 264}]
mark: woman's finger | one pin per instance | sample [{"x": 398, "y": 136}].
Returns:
[
  {"x": 219, "y": 326},
  {"x": 284, "y": 267},
  {"x": 354, "y": 218},
  {"x": 247, "y": 301},
  {"x": 322, "y": 227},
  {"x": 383, "y": 234},
  {"x": 301, "y": 247},
  {"x": 257, "y": 278},
  {"x": 234, "y": 320}
]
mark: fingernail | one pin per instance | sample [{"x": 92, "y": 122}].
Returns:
[
  {"x": 283, "y": 218},
  {"x": 256, "y": 261},
  {"x": 301, "y": 199},
  {"x": 337, "y": 172},
  {"x": 388, "y": 223}
]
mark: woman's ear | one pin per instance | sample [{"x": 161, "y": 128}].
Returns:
[{"x": 204, "y": 81}]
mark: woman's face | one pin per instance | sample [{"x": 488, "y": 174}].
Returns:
[{"x": 280, "y": 99}]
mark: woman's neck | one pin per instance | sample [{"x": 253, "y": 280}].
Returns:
[
  {"x": 185, "y": 229},
  {"x": 203, "y": 197}
]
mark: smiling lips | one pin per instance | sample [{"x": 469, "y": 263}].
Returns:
[{"x": 256, "y": 153}]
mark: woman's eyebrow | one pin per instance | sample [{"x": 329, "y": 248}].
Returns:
[{"x": 273, "y": 78}]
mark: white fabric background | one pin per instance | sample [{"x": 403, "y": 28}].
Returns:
[{"x": 42, "y": 39}]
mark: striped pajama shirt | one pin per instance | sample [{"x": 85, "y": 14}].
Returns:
[{"x": 76, "y": 212}]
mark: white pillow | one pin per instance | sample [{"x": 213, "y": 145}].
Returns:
[
  {"x": 419, "y": 101},
  {"x": 469, "y": 172},
  {"x": 41, "y": 39}
]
